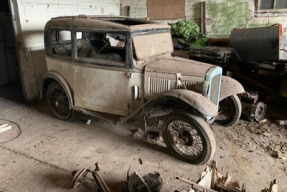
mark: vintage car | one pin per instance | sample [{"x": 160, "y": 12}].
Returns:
[{"x": 123, "y": 67}]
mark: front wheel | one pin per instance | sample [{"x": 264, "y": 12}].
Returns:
[
  {"x": 229, "y": 111},
  {"x": 189, "y": 138},
  {"x": 58, "y": 101}
]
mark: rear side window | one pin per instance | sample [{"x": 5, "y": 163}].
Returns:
[{"x": 61, "y": 43}]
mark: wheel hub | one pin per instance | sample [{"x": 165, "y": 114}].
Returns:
[
  {"x": 186, "y": 138},
  {"x": 56, "y": 104}
]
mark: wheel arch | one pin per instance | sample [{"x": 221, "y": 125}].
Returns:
[
  {"x": 230, "y": 86},
  {"x": 53, "y": 76},
  {"x": 184, "y": 98},
  {"x": 195, "y": 100}
]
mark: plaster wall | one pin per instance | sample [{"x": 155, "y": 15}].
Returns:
[
  {"x": 29, "y": 19},
  {"x": 221, "y": 15}
]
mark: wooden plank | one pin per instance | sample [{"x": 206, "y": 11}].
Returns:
[
  {"x": 203, "y": 17},
  {"x": 165, "y": 9}
]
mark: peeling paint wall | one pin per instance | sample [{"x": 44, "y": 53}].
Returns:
[
  {"x": 226, "y": 15},
  {"x": 138, "y": 8},
  {"x": 30, "y": 17},
  {"x": 221, "y": 15}
]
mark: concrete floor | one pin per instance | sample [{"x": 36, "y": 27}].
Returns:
[{"x": 48, "y": 150}]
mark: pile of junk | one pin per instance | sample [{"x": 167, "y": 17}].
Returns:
[
  {"x": 256, "y": 57},
  {"x": 210, "y": 181}
]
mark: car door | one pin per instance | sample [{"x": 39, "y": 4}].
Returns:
[{"x": 101, "y": 80}]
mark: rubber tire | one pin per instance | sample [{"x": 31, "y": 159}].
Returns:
[
  {"x": 204, "y": 131},
  {"x": 236, "y": 114},
  {"x": 51, "y": 87}
]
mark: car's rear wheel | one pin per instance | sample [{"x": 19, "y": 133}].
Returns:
[
  {"x": 189, "y": 138},
  {"x": 229, "y": 111},
  {"x": 58, "y": 101}
]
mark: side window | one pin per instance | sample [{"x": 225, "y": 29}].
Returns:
[
  {"x": 61, "y": 43},
  {"x": 107, "y": 47}
]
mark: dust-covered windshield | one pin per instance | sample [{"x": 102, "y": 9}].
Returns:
[{"x": 152, "y": 45}]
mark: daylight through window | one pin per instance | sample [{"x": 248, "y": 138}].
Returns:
[{"x": 272, "y": 4}]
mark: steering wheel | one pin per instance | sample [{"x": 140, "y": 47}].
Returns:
[{"x": 107, "y": 43}]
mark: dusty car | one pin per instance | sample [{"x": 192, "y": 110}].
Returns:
[{"x": 122, "y": 67}]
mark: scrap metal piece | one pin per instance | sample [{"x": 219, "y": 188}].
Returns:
[
  {"x": 79, "y": 177},
  {"x": 259, "y": 44},
  {"x": 273, "y": 187},
  {"x": 101, "y": 183},
  {"x": 137, "y": 184},
  {"x": 154, "y": 181},
  {"x": 195, "y": 185},
  {"x": 254, "y": 111},
  {"x": 151, "y": 182}
]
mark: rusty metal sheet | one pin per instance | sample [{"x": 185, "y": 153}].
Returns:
[{"x": 259, "y": 44}]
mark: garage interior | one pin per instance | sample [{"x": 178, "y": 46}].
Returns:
[{"x": 40, "y": 152}]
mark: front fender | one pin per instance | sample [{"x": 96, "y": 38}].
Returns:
[
  {"x": 195, "y": 100},
  {"x": 54, "y": 76},
  {"x": 230, "y": 86}
]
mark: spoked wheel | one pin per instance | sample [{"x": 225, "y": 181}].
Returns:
[
  {"x": 58, "y": 101},
  {"x": 189, "y": 138},
  {"x": 229, "y": 111}
]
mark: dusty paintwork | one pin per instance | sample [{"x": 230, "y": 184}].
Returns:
[
  {"x": 152, "y": 45},
  {"x": 196, "y": 100},
  {"x": 230, "y": 87},
  {"x": 100, "y": 23},
  {"x": 122, "y": 87},
  {"x": 122, "y": 68}
]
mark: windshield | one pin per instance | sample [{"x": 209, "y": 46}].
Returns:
[{"x": 152, "y": 45}]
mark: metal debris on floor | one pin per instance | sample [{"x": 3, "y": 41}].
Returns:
[
  {"x": 252, "y": 109},
  {"x": 151, "y": 182},
  {"x": 278, "y": 150},
  {"x": 213, "y": 181},
  {"x": 281, "y": 122},
  {"x": 80, "y": 176},
  {"x": 273, "y": 187}
]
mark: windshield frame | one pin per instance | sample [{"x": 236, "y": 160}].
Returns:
[{"x": 145, "y": 61}]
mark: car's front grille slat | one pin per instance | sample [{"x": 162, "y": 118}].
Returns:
[{"x": 158, "y": 85}]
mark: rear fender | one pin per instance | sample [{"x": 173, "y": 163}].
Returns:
[
  {"x": 54, "y": 76},
  {"x": 230, "y": 86}
]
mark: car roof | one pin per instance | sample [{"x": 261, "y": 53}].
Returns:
[{"x": 109, "y": 23}]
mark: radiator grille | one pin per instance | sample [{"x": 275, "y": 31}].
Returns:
[
  {"x": 189, "y": 85},
  {"x": 158, "y": 85},
  {"x": 214, "y": 91}
]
